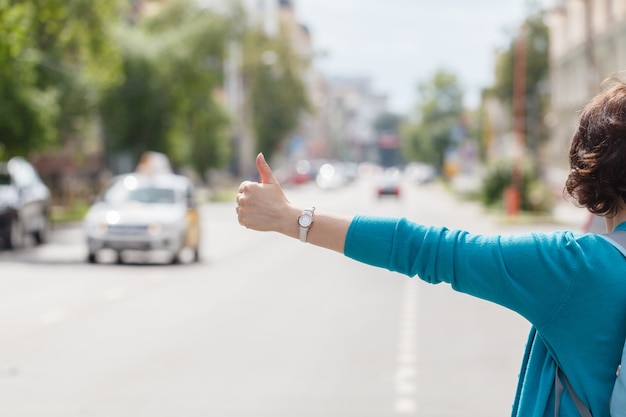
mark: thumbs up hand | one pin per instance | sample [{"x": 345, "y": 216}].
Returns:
[{"x": 263, "y": 206}]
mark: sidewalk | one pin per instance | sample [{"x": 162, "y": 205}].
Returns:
[{"x": 569, "y": 215}]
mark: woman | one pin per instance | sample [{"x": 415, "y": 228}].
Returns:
[{"x": 571, "y": 287}]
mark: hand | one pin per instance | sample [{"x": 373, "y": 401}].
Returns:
[{"x": 263, "y": 206}]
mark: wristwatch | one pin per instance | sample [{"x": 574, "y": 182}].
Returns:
[{"x": 305, "y": 220}]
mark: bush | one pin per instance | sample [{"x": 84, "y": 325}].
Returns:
[{"x": 535, "y": 195}]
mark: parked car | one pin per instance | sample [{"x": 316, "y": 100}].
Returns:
[
  {"x": 24, "y": 204},
  {"x": 145, "y": 212}
]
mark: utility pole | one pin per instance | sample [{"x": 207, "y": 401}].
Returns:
[
  {"x": 592, "y": 68},
  {"x": 238, "y": 110},
  {"x": 513, "y": 193}
]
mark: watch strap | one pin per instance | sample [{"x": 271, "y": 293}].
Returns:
[{"x": 304, "y": 231}]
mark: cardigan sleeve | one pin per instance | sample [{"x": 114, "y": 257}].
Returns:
[{"x": 510, "y": 271}]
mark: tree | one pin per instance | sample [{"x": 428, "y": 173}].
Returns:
[
  {"x": 135, "y": 114},
  {"x": 26, "y": 122},
  {"x": 167, "y": 103},
  {"x": 278, "y": 95},
  {"x": 439, "y": 109},
  {"x": 55, "y": 55},
  {"x": 537, "y": 74}
]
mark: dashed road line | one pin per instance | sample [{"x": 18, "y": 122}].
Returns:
[{"x": 406, "y": 366}]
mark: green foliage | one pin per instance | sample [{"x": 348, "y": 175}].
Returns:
[
  {"x": 535, "y": 195},
  {"x": 135, "y": 113},
  {"x": 77, "y": 56},
  {"x": 27, "y": 111},
  {"x": 278, "y": 94},
  {"x": 67, "y": 65},
  {"x": 418, "y": 144},
  {"x": 439, "y": 109},
  {"x": 172, "y": 66},
  {"x": 55, "y": 55},
  {"x": 537, "y": 76}
]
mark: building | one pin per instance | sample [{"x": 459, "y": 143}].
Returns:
[
  {"x": 353, "y": 107},
  {"x": 587, "y": 45}
]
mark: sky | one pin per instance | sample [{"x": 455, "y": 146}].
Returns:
[{"x": 399, "y": 43}]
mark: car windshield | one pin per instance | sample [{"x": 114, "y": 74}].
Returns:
[
  {"x": 152, "y": 195},
  {"x": 127, "y": 191},
  {"x": 5, "y": 179}
]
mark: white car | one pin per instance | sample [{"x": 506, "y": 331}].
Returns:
[{"x": 146, "y": 213}]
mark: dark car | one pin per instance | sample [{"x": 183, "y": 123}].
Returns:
[{"x": 24, "y": 204}]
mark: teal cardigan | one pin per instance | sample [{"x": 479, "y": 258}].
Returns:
[{"x": 571, "y": 287}]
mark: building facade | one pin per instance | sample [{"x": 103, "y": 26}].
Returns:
[{"x": 587, "y": 45}]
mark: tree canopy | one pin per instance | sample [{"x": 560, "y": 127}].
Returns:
[
  {"x": 172, "y": 66},
  {"x": 534, "y": 38},
  {"x": 71, "y": 70},
  {"x": 54, "y": 57},
  {"x": 438, "y": 112},
  {"x": 278, "y": 97}
]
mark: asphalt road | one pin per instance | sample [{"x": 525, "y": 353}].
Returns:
[{"x": 263, "y": 326}]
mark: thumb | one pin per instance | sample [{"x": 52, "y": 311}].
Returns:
[{"x": 267, "y": 177}]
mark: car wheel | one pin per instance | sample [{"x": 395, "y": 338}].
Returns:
[
  {"x": 15, "y": 237},
  {"x": 43, "y": 233},
  {"x": 185, "y": 255}
]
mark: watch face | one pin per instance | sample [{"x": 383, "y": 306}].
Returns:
[{"x": 305, "y": 220}]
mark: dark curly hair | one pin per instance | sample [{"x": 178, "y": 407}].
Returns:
[{"x": 597, "y": 178}]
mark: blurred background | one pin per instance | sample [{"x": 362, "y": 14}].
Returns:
[{"x": 444, "y": 113}]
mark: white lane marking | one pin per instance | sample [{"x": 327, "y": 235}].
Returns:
[
  {"x": 406, "y": 371},
  {"x": 405, "y": 405}
]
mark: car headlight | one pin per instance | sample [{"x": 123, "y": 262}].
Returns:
[
  {"x": 97, "y": 228},
  {"x": 102, "y": 228}
]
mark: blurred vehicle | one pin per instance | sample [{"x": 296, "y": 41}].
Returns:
[
  {"x": 389, "y": 183},
  {"x": 331, "y": 175},
  {"x": 24, "y": 204},
  {"x": 145, "y": 212},
  {"x": 421, "y": 173},
  {"x": 302, "y": 172},
  {"x": 351, "y": 170}
]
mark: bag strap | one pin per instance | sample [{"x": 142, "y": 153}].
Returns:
[
  {"x": 618, "y": 239},
  {"x": 582, "y": 408}
]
